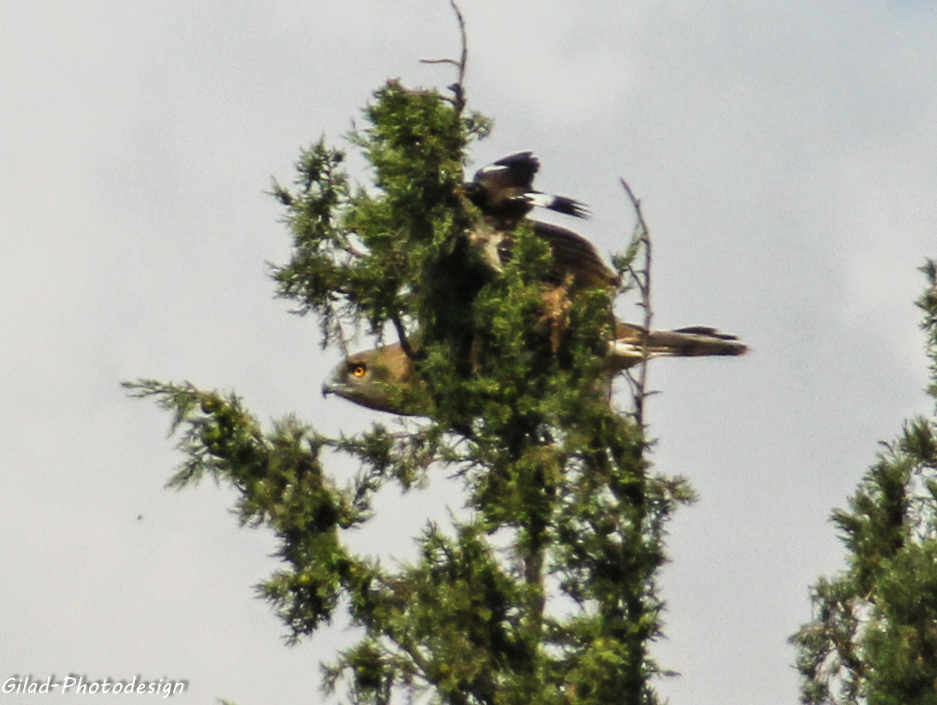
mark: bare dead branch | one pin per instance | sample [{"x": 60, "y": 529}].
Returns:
[
  {"x": 642, "y": 278},
  {"x": 457, "y": 88},
  {"x": 440, "y": 61}
]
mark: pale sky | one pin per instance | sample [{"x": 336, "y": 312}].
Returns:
[{"x": 786, "y": 157}]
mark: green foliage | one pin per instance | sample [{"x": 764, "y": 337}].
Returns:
[
  {"x": 517, "y": 408},
  {"x": 378, "y": 257},
  {"x": 873, "y": 638},
  {"x": 281, "y": 484}
]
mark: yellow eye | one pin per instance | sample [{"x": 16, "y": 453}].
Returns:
[{"x": 359, "y": 370}]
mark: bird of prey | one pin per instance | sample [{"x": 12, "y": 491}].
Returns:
[
  {"x": 384, "y": 378},
  {"x": 504, "y": 192},
  {"x": 572, "y": 254},
  {"x": 381, "y": 379}
]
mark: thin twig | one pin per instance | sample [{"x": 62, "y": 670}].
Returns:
[{"x": 642, "y": 278}]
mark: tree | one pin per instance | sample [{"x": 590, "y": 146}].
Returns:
[
  {"x": 873, "y": 637},
  {"x": 516, "y": 407}
]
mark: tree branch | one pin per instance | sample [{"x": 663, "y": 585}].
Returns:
[
  {"x": 457, "y": 88},
  {"x": 402, "y": 336},
  {"x": 642, "y": 278}
]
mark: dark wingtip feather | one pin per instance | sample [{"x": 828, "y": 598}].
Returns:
[
  {"x": 569, "y": 206},
  {"x": 560, "y": 204},
  {"x": 516, "y": 159},
  {"x": 707, "y": 331}
]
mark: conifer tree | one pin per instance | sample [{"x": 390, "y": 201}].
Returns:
[
  {"x": 873, "y": 637},
  {"x": 567, "y": 613}
]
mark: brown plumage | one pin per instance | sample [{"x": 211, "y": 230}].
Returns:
[
  {"x": 380, "y": 378},
  {"x": 504, "y": 193},
  {"x": 383, "y": 378},
  {"x": 627, "y": 349},
  {"x": 575, "y": 264},
  {"x": 572, "y": 254}
]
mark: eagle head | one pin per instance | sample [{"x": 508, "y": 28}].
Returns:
[{"x": 379, "y": 379}]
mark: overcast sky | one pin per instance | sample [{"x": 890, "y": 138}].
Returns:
[{"x": 786, "y": 157}]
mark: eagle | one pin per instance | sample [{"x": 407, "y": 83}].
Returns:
[
  {"x": 504, "y": 192},
  {"x": 573, "y": 255},
  {"x": 384, "y": 378}
]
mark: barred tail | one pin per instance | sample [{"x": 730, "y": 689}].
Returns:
[{"x": 628, "y": 348}]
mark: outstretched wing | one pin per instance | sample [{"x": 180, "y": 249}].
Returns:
[
  {"x": 504, "y": 191},
  {"x": 515, "y": 171}
]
